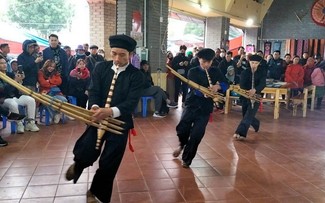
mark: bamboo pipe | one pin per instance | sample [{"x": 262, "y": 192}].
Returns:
[
  {"x": 245, "y": 94},
  {"x": 217, "y": 97},
  {"x": 101, "y": 132},
  {"x": 53, "y": 104}
]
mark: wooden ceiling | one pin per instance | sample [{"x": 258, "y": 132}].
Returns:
[{"x": 237, "y": 10}]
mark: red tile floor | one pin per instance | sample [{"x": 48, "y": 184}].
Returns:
[{"x": 284, "y": 162}]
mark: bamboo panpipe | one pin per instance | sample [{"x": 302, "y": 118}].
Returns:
[
  {"x": 244, "y": 93},
  {"x": 217, "y": 97},
  {"x": 101, "y": 132},
  {"x": 84, "y": 115}
]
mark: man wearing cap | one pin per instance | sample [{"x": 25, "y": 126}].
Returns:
[
  {"x": 126, "y": 94},
  {"x": 198, "y": 107},
  {"x": 249, "y": 109},
  {"x": 80, "y": 54},
  {"x": 93, "y": 58}
]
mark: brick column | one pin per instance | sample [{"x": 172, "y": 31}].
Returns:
[
  {"x": 217, "y": 32},
  {"x": 102, "y": 22}
]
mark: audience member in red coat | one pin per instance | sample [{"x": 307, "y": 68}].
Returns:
[
  {"x": 294, "y": 75},
  {"x": 49, "y": 79}
]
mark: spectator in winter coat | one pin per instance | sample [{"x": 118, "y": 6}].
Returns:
[
  {"x": 12, "y": 99},
  {"x": 294, "y": 75},
  {"x": 318, "y": 79},
  {"x": 29, "y": 64},
  {"x": 56, "y": 53},
  {"x": 93, "y": 58},
  {"x": 308, "y": 68},
  {"x": 79, "y": 82},
  {"x": 49, "y": 81}
]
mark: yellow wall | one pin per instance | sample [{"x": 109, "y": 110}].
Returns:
[{"x": 162, "y": 80}]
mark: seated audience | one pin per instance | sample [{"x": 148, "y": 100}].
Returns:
[
  {"x": 151, "y": 90},
  {"x": 12, "y": 98},
  {"x": 49, "y": 79},
  {"x": 294, "y": 76},
  {"x": 318, "y": 79},
  {"x": 17, "y": 70},
  {"x": 10, "y": 116},
  {"x": 79, "y": 81},
  {"x": 308, "y": 69}
]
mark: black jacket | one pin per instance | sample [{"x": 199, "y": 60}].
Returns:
[
  {"x": 259, "y": 79},
  {"x": 196, "y": 99},
  {"x": 127, "y": 92}
]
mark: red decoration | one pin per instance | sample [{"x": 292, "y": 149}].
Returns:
[{"x": 318, "y": 12}]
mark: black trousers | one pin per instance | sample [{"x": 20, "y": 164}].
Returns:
[
  {"x": 109, "y": 161},
  {"x": 178, "y": 86},
  {"x": 248, "y": 117},
  {"x": 190, "y": 132}
]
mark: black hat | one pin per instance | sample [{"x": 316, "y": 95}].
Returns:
[
  {"x": 122, "y": 41},
  {"x": 93, "y": 47},
  {"x": 255, "y": 58},
  {"x": 206, "y": 54}
]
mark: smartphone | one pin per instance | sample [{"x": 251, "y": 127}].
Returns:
[{"x": 39, "y": 54}]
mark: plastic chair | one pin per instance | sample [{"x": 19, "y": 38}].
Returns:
[
  {"x": 43, "y": 109},
  {"x": 144, "y": 101},
  {"x": 13, "y": 126}
]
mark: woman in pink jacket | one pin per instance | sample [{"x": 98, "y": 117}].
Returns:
[{"x": 318, "y": 79}]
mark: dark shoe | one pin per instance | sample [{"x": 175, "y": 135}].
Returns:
[
  {"x": 15, "y": 117},
  {"x": 73, "y": 173},
  {"x": 172, "y": 105},
  {"x": 70, "y": 172},
  {"x": 159, "y": 115},
  {"x": 3, "y": 142},
  {"x": 177, "y": 151},
  {"x": 185, "y": 165},
  {"x": 91, "y": 198}
]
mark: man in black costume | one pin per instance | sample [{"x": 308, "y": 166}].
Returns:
[
  {"x": 198, "y": 107},
  {"x": 249, "y": 108},
  {"x": 126, "y": 94}
]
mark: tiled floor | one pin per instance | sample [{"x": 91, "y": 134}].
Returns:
[{"x": 284, "y": 162}]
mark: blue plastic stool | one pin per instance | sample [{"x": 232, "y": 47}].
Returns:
[
  {"x": 13, "y": 126},
  {"x": 144, "y": 101},
  {"x": 42, "y": 109},
  {"x": 72, "y": 100}
]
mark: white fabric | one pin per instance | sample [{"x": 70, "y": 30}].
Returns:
[{"x": 23, "y": 100}]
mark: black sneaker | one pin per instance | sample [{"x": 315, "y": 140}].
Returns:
[
  {"x": 159, "y": 115},
  {"x": 172, "y": 105},
  {"x": 3, "y": 142},
  {"x": 15, "y": 117}
]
